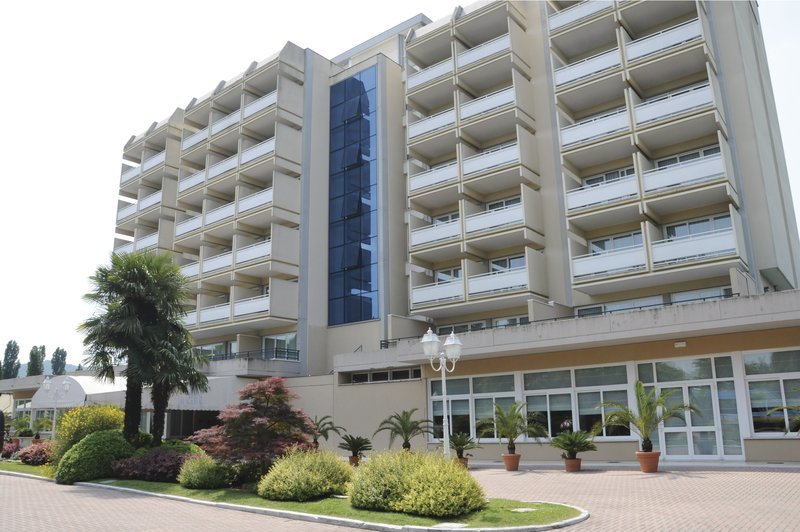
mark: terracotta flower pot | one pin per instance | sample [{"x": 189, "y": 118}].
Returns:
[
  {"x": 464, "y": 462},
  {"x": 648, "y": 462},
  {"x": 572, "y": 465},
  {"x": 511, "y": 461}
]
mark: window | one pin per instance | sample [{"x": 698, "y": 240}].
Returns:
[
  {"x": 553, "y": 411},
  {"x": 281, "y": 346},
  {"x": 773, "y": 382},
  {"x": 615, "y": 243},
  {"x": 383, "y": 375},
  {"x": 687, "y": 156},
  {"x": 507, "y": 263},
  {"x": 591, "y": 413},
  {"x": 698, "y": 226},
  {"x": 445, "y": 275},
  {"x": 608, "y": 177},
  {"x": 459, "y": 328},
  {"x": 501, "y": 323},
  {"x": 445, "y": 218},
  {"x": 502, "y": 204},
  {"x": 690, "y": 296}
]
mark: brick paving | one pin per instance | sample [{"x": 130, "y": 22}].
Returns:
[{"x": 676, "y": 499}]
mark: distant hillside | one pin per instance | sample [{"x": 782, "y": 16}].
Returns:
[{"x": 23, "y": 369}]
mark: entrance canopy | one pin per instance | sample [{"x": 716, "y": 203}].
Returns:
[{"x": 82, "y": 390}]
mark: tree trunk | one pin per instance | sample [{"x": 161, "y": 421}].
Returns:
[
  {"x": 647, "y": 445},
  {"x": 133, "y": 408},
  {"x": 160, "y": 399}
]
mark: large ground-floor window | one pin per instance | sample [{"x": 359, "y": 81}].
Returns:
[{"x": 773, "y": 381}]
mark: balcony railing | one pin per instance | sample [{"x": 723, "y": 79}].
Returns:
[
  {"x": 495, "y": 46},
  {"x": 194, "y": 138},
  {"x": 259, "y": 150},
  {"x": 253, "y": 201},
  {"x": 495, "y": 157},
  {"x": 663, "y": 40},
  {"x": 434, "y": 176},
  {"x": 276, "y": 353},
  {"x": 487, "y": 103},
  {"x": 225, "y": 122},
  {"x": 189, "y": 225},
  {"x": 218, "y": 262},
  {"x": 577, "y": 12},
  {"x": 191, "y": 181},
  {"x": 142, "y": 204},
  {"x": 191, "y": 270},
  {"x": 451, "y": 290},
  {"x": 602, "y": 193},
  {"x": 500, "y": 281},
  {"x": 436, "y": 233},
  {"x": 251, "y": 305},
  {"x": 126, "y": 211},
  {"x": 190, "y": 320},
  {"x": 220, "y": 213},
  {"x": 610, "y": 262},
  {"x": 125, "y": 248},
  {"x": 259, "y": 250},
  {"x": 485, "y": 221},
  {"x": 215, "y": 313},
  {"x": 432, "y": 72},
  {"x": 588, "y": 67},
  {"x": 674, "y": 103},
  {"x": 153, "y": 161},
  {"x": 685, "y": 173},
  {"x": 595, "y": 127},
  {"x": 694, "y": 247},
  {"x": 221, "y": 167},
  {"x": 432, "y": 123},
  {"x": 260, "y": 104},
  {"x": 129, "y": 174}
]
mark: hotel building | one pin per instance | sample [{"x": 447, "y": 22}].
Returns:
[{"x": 587, "y": 193}]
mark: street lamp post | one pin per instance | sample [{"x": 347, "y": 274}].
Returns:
[
  {"x": 432, "y": 347},
  {"x": 56, "y": 395}
]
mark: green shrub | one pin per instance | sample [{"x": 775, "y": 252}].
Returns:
[
  {"x": 79, "y": 422},
  {"x": 142, "y": 440},
  {"x": 420, "y": 484},
  {"x": 180, "y": 446},
  {"x": 302, "y": 475},
  {"x": 201, "y": 472},
  {"x": 92, "y": 457}
]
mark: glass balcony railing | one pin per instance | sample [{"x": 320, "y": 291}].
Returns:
[
  {"x": 146, "y": 242},
  {"x": 220, "y": 213},
  {"x": 435, "y": 176},
  {"x": 492, "y": 158},
  {"x": 473, "y": 55},
  {"x": 218, "y": 262},
  {"x": 253, "y": 201},
  {"x": 153, "y": 161},
  {"x": 487, "y": 103},
  {"x": 187, "y": 226},
  {"x": 223, "y": 166},
  {"x": 251, "y": 306},
  {"x": 129, "y": 174},
  {"x": 577, "y": 12},
  {"x": 125, "y": 248},
  {"x": 225, "y": 122},
  {"x": 664, "y": 40},
  {"x": 500, "y": 281},
  {"x": 612, "y": 262},
  {"x": 674, "y": 103},
  {"x": 259, "y": 250},
  {"x": 194, "y": 139},
  {"x": 602, "y": 193},
  {"x": 496, "y": 218},
  {"x": 190, "y": 320},
  {"x": 596, "y": 127},
  {"x": 588, "y": 67},
  {"x": 262, "y": 103},
  {"x": 215, "y": 313},
  {"x": 432, "y": 123},
  {"x": 436, "y": 233},
  {"x": 127, "y": 211},
  {"x": 191, "y": 181},
  {"x": 141, "y": 205},
  {"x": 685, "y": 173},
  {"x": 430, "y": 293},
  {"x": 191, "y": 270},
  {"x": 694, "y": 247},
  {"x": 432, "y": 72},
  {"x": 259, "y": 150}
]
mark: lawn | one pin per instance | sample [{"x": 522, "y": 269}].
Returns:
[
  {"x": 497, "y": 512},
  {"x": 19, "y": 467}
]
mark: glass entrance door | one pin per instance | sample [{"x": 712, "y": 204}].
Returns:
[{"x": 697, "y": 436}]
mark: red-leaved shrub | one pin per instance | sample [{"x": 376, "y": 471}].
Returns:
[
  {"x": 37, "y": 454},
  {"x": 157, "y": 465},
  {"x": 9, "y": 448}
]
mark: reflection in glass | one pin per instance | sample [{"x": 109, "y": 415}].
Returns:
[
  {"x": 764, "y": 396},
  {"x": 676, "y": 443},
  {"x": 729, "y": 418}
]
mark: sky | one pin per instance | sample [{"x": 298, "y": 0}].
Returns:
[{"x": 80, "y": 77}]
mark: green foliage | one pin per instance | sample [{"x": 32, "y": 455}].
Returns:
[
  {"x": 303, "y": 475},
  {"x": 511, "y": 424},
  {"x": 652, "y": 409},
  {"x": 180, "y": 446},
  {"x": 36, "y": 361},
  {"x": 79, "y": 422},
  {"x": 141, "y": 440},
  {"x": 355, "y": 444},
  {"x": 58, "y": 364},
  {"x": 418, "y": 484},
  {"x": 10, "y": 360},
  {"x": 21, "y": 423},
  {"x": 403, "y": 426},
  {"x": 201, "y": 472},
  {"x": 461, "y": 441},
  {"x": 322, "y": 427},
  {"x": 93, "y": 456},
  {"x": 573, "y": 443}
]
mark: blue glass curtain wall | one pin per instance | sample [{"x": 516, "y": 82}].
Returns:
[{"x": 353, "y": 207}]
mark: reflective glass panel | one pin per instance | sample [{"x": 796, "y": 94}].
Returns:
[
  {"x": 683, "y": 370},
  {"x": 545, "y": 380},
  {"x": 729, "y": 418},
  {"x": 780, "y": 362},
  {"x": 764, "y": 396},
  {"x": 601, "y": 376}
]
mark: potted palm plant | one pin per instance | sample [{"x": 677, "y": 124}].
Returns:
[
  {"x": 356, "y": 445},
  {"x": 461, "y": 442},
  {"x": 322, "y": 428},
  {"x": 652, "y": 409},
  {"x": 511, "y": 424},
  {"x": 572, "y": 443},
  {"x": 403, "y": 426}
]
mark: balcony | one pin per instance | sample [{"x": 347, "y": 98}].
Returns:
[
  {"x": 602, "y": 193},
  {"x": 492, "y": 158},
  {"x": 494, "y": 219},
  {"x": 434, "y": 176},
  {"x": 487, "y": 49},
  {"x": 588, "y": 67},
  {"x": 191, "y": 270},
  {"x": 142, "y": 204},
  {"x": 218, "y": 262},
  {"x": 155, "y": 160},
  {"x": 190, "y": 320},
  {"x": 683, "y": 174},
  {"x": 191, "y": 181},
  {"x": 423, "y": 76},
  {"x": 146, "y": 242},
  {"x": 252, "y": 305},
  {"x": 259, "y": 250},
  {"x": 215, "y": 313},
  {"x": 434, "y": 293},
  {"x": 129, "y": 174},
  {"x": 220, "y": 213},
  {"x": 674, "y": 103},
  {"x": 189, "y": 225},
  {"x": 436, "y": 233},
  {"x": 664, "y": 40},
  {"x": 223, "y": 166},
  {"x": 194, "y": 139},
  {"x": 694, "y": 247},
  {"x": 125, "y": 212},
  {"x": 577, "y": 12},
  {"x": 432, "y": 123},
  {"x": 500, "y": 281},
  {"x": 262, "y": 103},
  {"x": 253, "y": 201},
  {"x": 259, "y": 150},
  {"x": 225, "y": 122},
  {"x": 596, "y": 127},
  {"x": 487, "y": 103},
  {"x": 629, "y": 259}
]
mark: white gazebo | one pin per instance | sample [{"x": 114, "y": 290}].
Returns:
[{"x": 63, "y": 392}]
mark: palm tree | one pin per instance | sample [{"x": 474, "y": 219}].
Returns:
[
  {"x": 138, "y": 295},
  {"x": 511, "y": 424},
  {"x": 322, "y": 427},
  {"x": 406, "y": 428},
  {"x": 651, "y": 410}
]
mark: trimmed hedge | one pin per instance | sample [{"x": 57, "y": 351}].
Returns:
[
  {"x": 302, "y": 475},
  {"x": 92, "y": 457},
  {"x": 37, "y": 454},
  {"x": 200, "y": 472},
  {"x": 382, "y": 480}
]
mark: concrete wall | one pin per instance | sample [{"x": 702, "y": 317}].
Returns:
[{"x": 772, "y": 450}]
